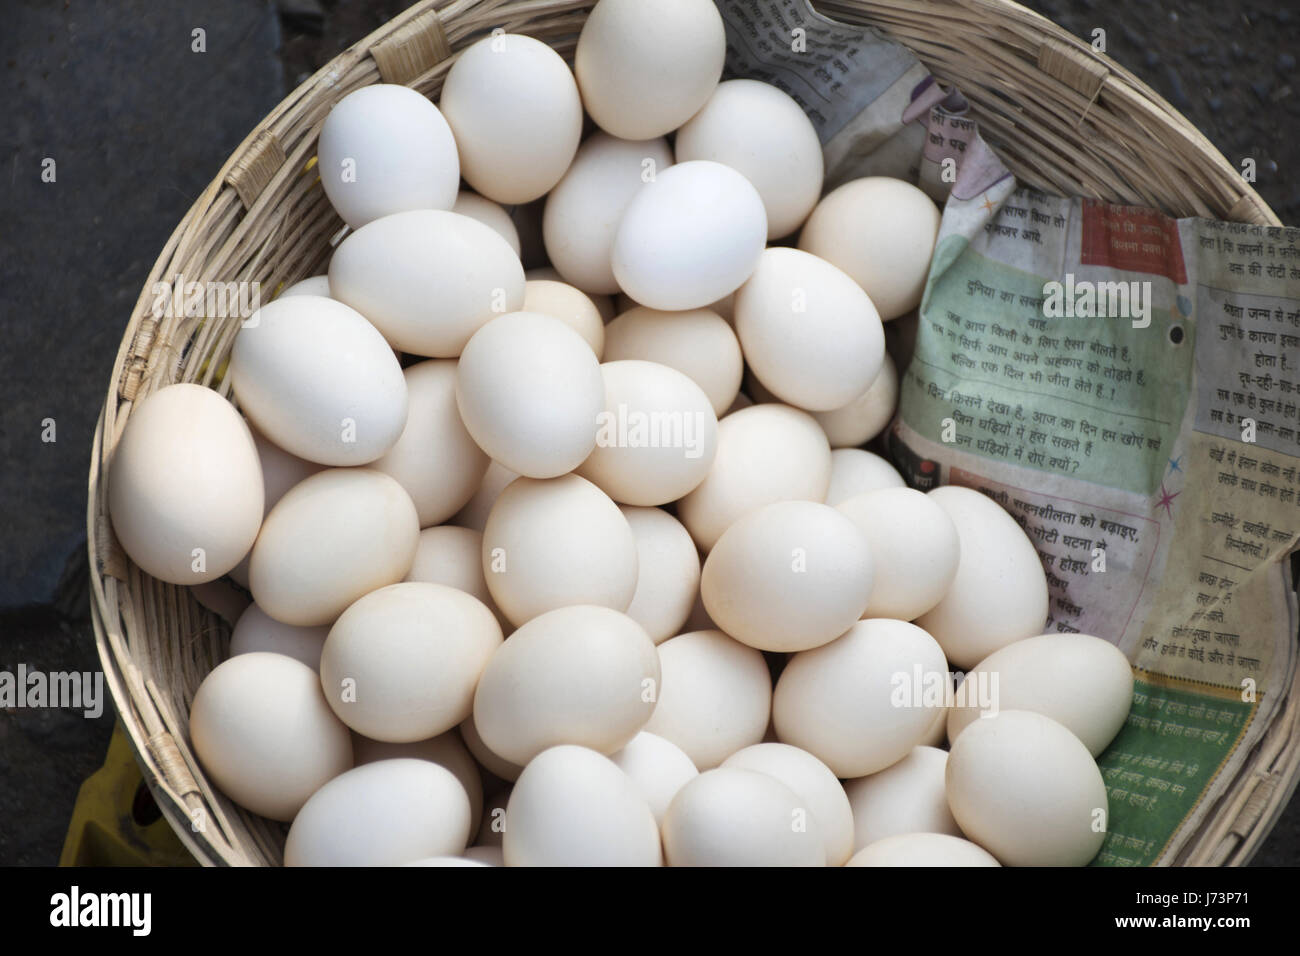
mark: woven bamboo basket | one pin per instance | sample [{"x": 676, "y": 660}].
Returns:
[{"x": 1065, "y": 120}]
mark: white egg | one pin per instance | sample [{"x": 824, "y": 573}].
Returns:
[
  {"x": 855, "y": 471},
  {"x": 999, "y": 594},
  {"x": 489, "y": 761},
  {"x": 808, "y": 331},
  {"x": 915, "y": 546},
  {"x": 668, "y": 572},
  {"x": 762, "y": 133},
  {"x": 789, "y": 576},
  {"x": 1027, "y": 790},
  {"x": 574, "y": 807},
  {"x": 691, "y": 236},
  {"x": 453, "y": 556},
  {"x": 715, "y": 696},
  {"x": 490, "y": 214},
  {"x": 580, "y": 675},
  {"x": 863, "y": 701},
  {"x": 427, "y": 279},
  {"x": 264, "y": 734},
  {"x": 402, "y": 663},
  {"x": 336, "y": 536},
  {"x": 657, "y": 768},
  {"x": 557, "y": 542},
  {"x": 435, "y": 459},
  {"x": 319, "y": 380},
  {"x": 381, "y": 814},
  {"x": 475, "y": 513},
  {"x": 922, "y": 849},
  {"x": 656, "y": 436},
  {"x": 583, "y": 210},
  {"x": 698, "y": 343},
  {"x": 820, "y": 793},
  {"x": 1082, "y": 682},
  {"x": 645, "y": 69},
  {"x": 384, "y": 149},
  {"x": 765, "y": 453},
  {"x": 571, "y": 306},
  {"x": 314, "y": 285},
  {"x": 258, "y": 631},
  {"x": 185, "y": 490},
  {"x": 907, "y": 797},
  {"x": 530, "y": 392},
  {"x": 514, "y": 108},
  {"x": 867, "y": 415},
  {"x": 280, "y": 472},
  {"x": 880, "y": 231},
  {"x": 736, "y": 817},
  {"x": 447, "y": 750}
]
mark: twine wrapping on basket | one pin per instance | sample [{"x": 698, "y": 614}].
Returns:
[{"x": 1063, "y": 118}]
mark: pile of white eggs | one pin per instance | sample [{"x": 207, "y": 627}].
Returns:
[{"x": 534, "y": 583}]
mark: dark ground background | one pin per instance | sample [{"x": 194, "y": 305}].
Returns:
[{"x": 138, "y": 124}]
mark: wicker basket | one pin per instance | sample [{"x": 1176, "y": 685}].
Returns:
[{"x": 1063, "y": 118}]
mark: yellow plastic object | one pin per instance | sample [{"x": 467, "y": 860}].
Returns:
[{"x": 116, "y": 822}]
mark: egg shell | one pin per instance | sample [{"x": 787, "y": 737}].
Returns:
[
  {"x": 313, "y": 285},
  {"x": 765, "y": 453},
  {"x": 435, "y": 459},
  {"x": 574, "y": 807},
  {"x": 657, "y": 768},
  {"x": 737, "y": 817},
  {"x": 554, "y": 543},
  {"x": 427, "y": 279},
  {"x": 762, "y": 133},
  {"x": 453, "y": 556},
  {"x": 692, "y": 235},
  {"x": 789, "y": 576},
  {"x": 475, "y": 513},
  {"x": 184, "y": 476},
  {"x": 819, "y": 791},
  {"x": 446, "y": 750},
  {"x": 906, "y": 797},
  {"x": 385, "y": 149},
  {"x": 715, "y": 696},
  {"x": 401, "y": 664},
  {"x": 668, "y": 572},
  {"x": 571, "y": 306},
  {"x": 656, "y": 435},
  {"x": 514, "y": 108},
  {"x": 645, "y": 69},
  {"x": 337, "y": 535},
  {"x": 999, "y": 594},
  {"x": 584, "y": 209},
  {"x": 580, "y": 675},
  {"x": 808, "y": 331},
  {"x": 915, "y": 547},
  {"x": 863, "y": 701},
  {"x": 867, "y": 415},
  {"x": 855, "y": 471},
  {"x": 922, "y": 849},
  {"x": 381, "y": 814},
  {"x": 1027, "y": 790},
  {"x": 318, "y": 380},
  {"x": 882, "y": 232},
  {"x": 698, "y": 343},
  {"x": 490, "y": 214},
  {"x": 258, "y": 631},
  {"x": 264, "y": 735},
  {"x": 530, "y": 392},
  {"x": 489, "y": 761},
  {"x": 1082, "y": 682}
]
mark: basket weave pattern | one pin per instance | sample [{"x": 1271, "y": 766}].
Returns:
[{"x": 1064, "y": 119}]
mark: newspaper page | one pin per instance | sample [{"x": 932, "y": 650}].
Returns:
[{"x": 1125, "y": 385}]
